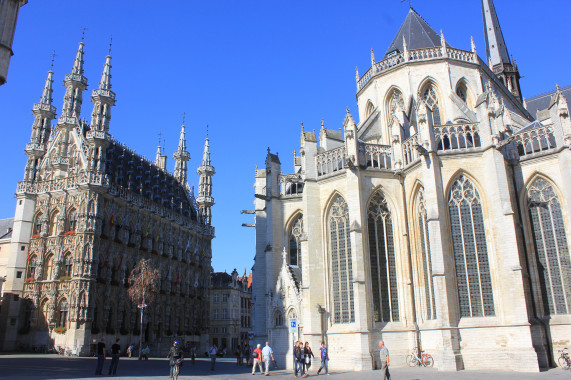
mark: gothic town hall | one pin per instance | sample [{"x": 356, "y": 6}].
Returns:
[
  {"x": 87, "y": 210},
  {"x": 438, "y": 220}
]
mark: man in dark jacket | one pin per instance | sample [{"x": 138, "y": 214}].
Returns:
[
  {"x": 175, "y": 354},
  {"x": 298, "y": 357}
]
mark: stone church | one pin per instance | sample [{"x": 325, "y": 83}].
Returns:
[
  {"x": 88, "y": 209},
  {"x": 439, "y": 220}
]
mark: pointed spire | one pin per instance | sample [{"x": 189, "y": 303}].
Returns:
[
  {"x": 78, "y": 62},
  {"x": 206, "y": 153},
  {"x": 105, "y": 83},
  {"x": 357, "y": 74},
  {"x": 205, "y": 200},
  {"x": 47, "y": 93},
  {"x": 473, "y": 45},
  {"x": 443, "y": 44},
  {"x": 181, "y": 156},
  {"x": 372, "y": 58},
  {"x": 496, "y": 48},
  {"x": 404, "y": 48}
]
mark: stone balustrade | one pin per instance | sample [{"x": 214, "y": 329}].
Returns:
[
  {"x": 409, "y": 152},
  {"x": 331, "y": 161},
  {"x": 425, "y": 54},
  {"x": 376, "y": 156},
  {"x": 534, "y": 141},
  {"x": 291, "y": 185},
  {"x": 44, "y": 107},
  {"x": 456, "y": 136},
  {"x": 76, "y": 77}
]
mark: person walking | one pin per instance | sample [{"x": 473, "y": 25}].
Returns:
[
  {"x": 324, "y": 359},
  {"x": 101, "y": 353},
  {"x": 129, "y": 350},
  {"x": 257, "y": 355},
  {"x": 176, "y": 355},
  {"x": 212, "y": 353},
  {"x": 384, "y": 356},
  {"x": 298, "y": 359},
  {"x": 268, "y": 355},
  {"x": 115, "y": 352},
  {"x": 307, "y": 355}
]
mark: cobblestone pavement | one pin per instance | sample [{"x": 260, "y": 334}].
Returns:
[{"x": 57, "y": 367}]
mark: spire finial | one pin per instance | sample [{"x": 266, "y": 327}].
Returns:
[
  {"x": 183, "y": 118},
  {"x": 53, "y": 55},
  {"x": 322, "y": 125},
  {"x": 160, "y": 136},
  {"x": 557, "y": 88},
  {"x": 347, "y": 109},
  {"x": 83, "y": 29},
  {"x": 409, "y": 3},
  {"x": 372, "y": 57},
  {"x": 302, "y": 126},
  {"x": 357, "y": 73},
  {"x": 110, "y": 44},
  {"x": 206, "y": 130}
]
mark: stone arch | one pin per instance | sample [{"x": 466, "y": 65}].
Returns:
[
  {"x": 54, "y": 223},
  {"x": 432, "y": 98},
  {"x": 465, "y": 92},
  {"x": 369, "y": 108},
  {"x": 292, "y": 237}
]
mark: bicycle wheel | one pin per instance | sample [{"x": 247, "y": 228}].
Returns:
[
  {"x": 427, "y": 360},
  {"x": 411, "y": 360},
  {"x": 175, "y": 371},
  {"x": 562, "y": 363}
]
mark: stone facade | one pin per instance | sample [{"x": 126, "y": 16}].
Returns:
[
  {"x": 439, "y": 221},
  {"x": 9, "y": 10},
  {"x": 230, "y": 304},
  {"x": 87, "y": 210}
]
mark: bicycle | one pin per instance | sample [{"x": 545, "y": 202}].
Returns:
[
  {"x": 563, "y": 360},
  {"x": 414, "y": 359}
]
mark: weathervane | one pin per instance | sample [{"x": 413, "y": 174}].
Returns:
[
  {"x": 53, "y": 55},
  {"x": 183, "y": 118},
  {"x": 110, "y": 44},
  {"x": 409, "y": 3},
  {"x": 83, "y": 29}
]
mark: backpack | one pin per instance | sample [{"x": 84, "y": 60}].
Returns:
[{"x": 255, "y": 355}]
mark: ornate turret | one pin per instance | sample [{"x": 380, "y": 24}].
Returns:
[
  {"x": 75, "y": 84},
  {"x": 497, "y": 51},
  {"x": 103, "y": 99},
  {"x": 181, "y": 156},
  {"x": 206, "y": 171},
  {"x": 44, "y": 112},
  {"x": 160, "y": 158}
]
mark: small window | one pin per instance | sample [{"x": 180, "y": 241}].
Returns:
[
  {"x": 22, "y": 248},
  {"x": 18, "y": 274}
]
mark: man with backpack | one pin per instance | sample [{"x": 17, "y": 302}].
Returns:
[{"x": 257, "y": 356}]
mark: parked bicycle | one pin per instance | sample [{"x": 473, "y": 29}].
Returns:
[
  {"x": 563, "y": 360},
  {"x": 415, "y": 359}
]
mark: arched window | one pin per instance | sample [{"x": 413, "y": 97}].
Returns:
[
  {"x": 49, "y": 268},
  {"x": 341, "y": 263},
  {"x": 382, "y": 256},
  {"x": 278, "y": 319},
  {"x": 551, "y": 247},
  {"x": 44, "y": 308},
  {"x": 395, "y": 101},
  {"x": 431, "y": 99},
  {"x": 470, "y": 250},
  {"x": 63, "y": 313},
  {"x": 54, "y": 224},
  {"x": 425, "y": 259},
  {"x": 463, "y": 93},
  {"x": 295, "y": 233},
  {"x": 32, "y": 266},
  {"x": 72, "y": 224},
  {"x": 369, "y": 108},
  {"x": 67, "y": 265},
  {"x": 38, "y": 225}
]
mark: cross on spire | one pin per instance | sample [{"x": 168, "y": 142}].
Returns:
[
  {"x": 183, "y": 118},
  {"x": 409, "y": 3},
  {"x": 206, "y": 130},
  {"x": 110, "y": 44}
]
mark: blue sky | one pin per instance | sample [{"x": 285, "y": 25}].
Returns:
[{"x": 252, "y": 70}]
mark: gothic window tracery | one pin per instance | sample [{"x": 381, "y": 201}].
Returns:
[
  {"x": 67, "y": 265},
  {"x": 63, "y": 313},
  {"x": 396, "y": 100},
  {"x": 551, "y": 247},
  {"x": 341, "y": 262},
  {"x": 54, "y": 224},
  {"x": 278, "y": 319},
  {"x": 49, "y": 268},
  {"x": 473, "y": 277},
  {"x": 295, "y": 233},
  {"x": 425, "y": 258},
  {"x": 44, "y": 310},
  {"x": 383, "y": 263},
  {"x": 72, "y": 220},
  {"x": 430, "y": 98}
]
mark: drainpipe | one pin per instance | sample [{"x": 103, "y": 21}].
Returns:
[{"x": 409, "y": 254}]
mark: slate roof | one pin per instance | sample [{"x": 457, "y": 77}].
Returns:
[
  {"x": 220, "y": 279},
  {"x": 542, "y": 102},
  {"x": 417, "y": 32},
  {"x": 6, "y": 226},
  {"x": 296, "y": 274},
  {"x": 332, "y": 134}
]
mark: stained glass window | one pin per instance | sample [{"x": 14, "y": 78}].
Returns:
[
  {"x": 470, "y": 250},
  {"x": 341, "y": 264},
  {"x": 431, "y": 100},
  {"x": 425, "y": 259},
  {"x": 294, "y": 243},
  {"x": 383, "y": 263},
  {"x": 551, "y": 247}
]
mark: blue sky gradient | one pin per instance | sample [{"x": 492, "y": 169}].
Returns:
[{"x": 252, "y": 70}]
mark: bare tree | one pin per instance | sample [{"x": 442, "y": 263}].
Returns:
[{"x": 143, "y": 282}]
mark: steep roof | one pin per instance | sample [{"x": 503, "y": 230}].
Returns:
[
  {"x": 6, "y": 226},
  {"x": 542, "y": 102},
  {"x": 417, "y": 32}
]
